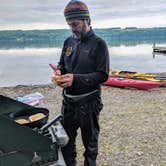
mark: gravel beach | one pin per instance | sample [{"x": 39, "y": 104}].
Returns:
[{"x": 132, "y": 123}]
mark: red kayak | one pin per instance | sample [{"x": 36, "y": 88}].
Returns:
[{"x": 128, "y": 82}]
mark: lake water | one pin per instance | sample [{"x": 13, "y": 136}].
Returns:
[{"x": 30, "y": 66}]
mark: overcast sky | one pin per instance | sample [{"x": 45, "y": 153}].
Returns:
[{"x": 48, "y": 14}]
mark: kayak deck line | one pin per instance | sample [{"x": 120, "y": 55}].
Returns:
[{"x": 138, "y": 75}]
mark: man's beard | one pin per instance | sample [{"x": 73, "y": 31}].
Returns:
[
  {"x": 77, "y": 34},
  {"x": 81, "y": 34}
]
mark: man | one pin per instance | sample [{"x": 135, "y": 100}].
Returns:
[{"x": 83, "y": 66}]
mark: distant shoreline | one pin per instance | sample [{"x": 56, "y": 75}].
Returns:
[
  {"x": 114, "y": 28},
  {"x": 55, "y": 37}
]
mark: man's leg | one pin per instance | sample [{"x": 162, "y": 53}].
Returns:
[
  {"x": 89, "y": 118},
  {"x": 70, "y": 126}
]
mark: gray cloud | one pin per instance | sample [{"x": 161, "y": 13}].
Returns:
[
  {"x": 51, "y": 11},
  {"x": 30, "y": 11},
  {"x": 131, "y": 8}
]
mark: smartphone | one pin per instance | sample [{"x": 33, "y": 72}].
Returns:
[{"x": 53, "y": 67}]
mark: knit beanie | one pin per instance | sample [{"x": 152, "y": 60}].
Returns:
[{"x": 76, "y": 10}]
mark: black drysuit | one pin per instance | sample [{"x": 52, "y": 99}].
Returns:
[{"x": 88, "y": 60}]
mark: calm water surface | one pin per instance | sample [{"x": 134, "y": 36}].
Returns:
[{"x": 30, "y": 66}]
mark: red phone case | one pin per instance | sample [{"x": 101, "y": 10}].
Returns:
[{"x": 53, "y": 67}]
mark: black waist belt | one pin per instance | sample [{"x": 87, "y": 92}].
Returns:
[{"x": 80, "y": 98}]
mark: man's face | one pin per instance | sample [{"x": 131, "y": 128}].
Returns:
[{"x": 78, "y": 27}]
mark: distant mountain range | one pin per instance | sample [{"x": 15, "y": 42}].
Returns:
[{"x": 55, "y": 38}]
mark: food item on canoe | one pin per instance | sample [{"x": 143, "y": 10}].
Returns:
[
  {"x": 22, "y": 121},
  {"x": 133, "y": 83},
  {"x": 36, "y": 117}
]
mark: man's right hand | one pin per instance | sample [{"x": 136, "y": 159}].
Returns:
[{"x": 56, "y": 76}]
